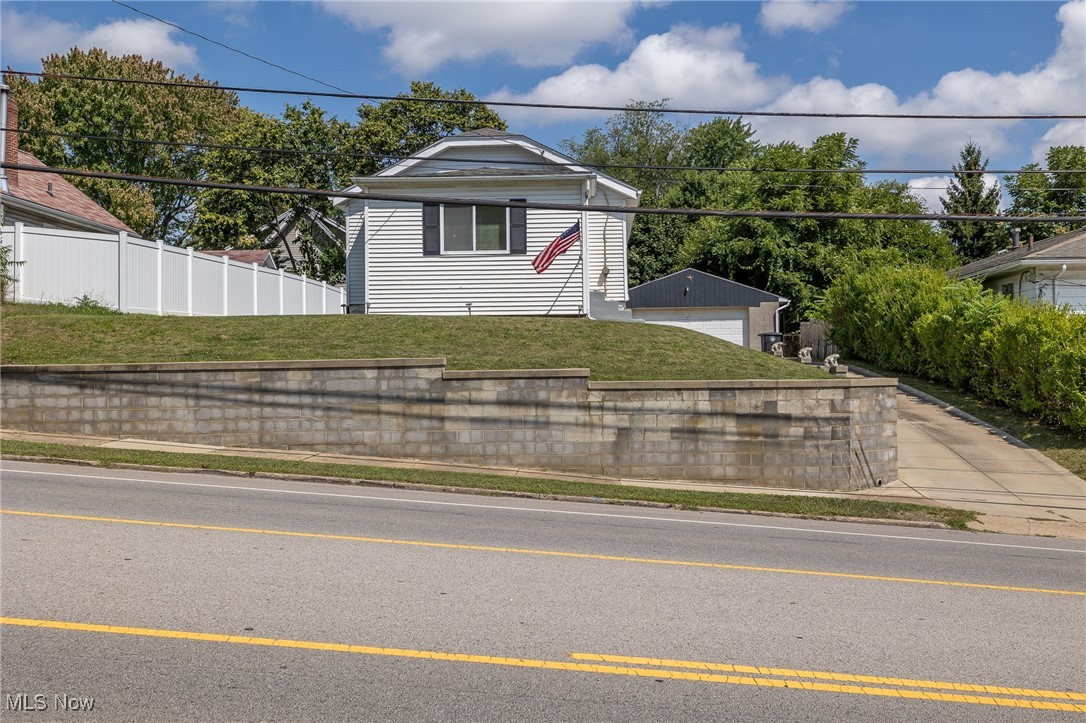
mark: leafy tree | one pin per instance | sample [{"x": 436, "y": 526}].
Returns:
[
  {"x": 967, "y": 195},
  {"x": 1038, "y": 192},
  {"x": 642, "y": 135},
  {"x": 401, "y": 127},
  {"x": 242, "y": 218},
  {"x": 798, "y": 258},
  {"x": 98, "y": 108},
  {"x": 656, "y": 241},
  {"x": 720, "y": 142}
]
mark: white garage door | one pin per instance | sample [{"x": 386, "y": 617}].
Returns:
[{"x": 727, "y": 324}]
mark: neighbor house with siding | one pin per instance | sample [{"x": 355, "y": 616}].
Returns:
[
  {"x": 1052, "y": 270},
  {"x": 458, "y": 255}
]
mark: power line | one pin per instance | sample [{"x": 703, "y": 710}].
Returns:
[
  {"x": 628, "y": 166},
  {"x": 554, "y": 106},
  {"x": 230, "y": 48},
  {"x": 400, "y": 198}
]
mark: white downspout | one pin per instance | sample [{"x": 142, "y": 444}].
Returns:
[
  {"x": 586, "y": 294},
  {"x": 777, "y": 315},
  {"x": 1055, "y": 279}
]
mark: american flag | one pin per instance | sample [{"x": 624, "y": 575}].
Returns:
[{"x": 560, "y": 245}]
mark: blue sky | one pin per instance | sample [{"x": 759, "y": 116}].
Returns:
[{"x": 810, "y": 55}]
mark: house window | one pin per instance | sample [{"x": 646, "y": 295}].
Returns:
[
  {"x": 456, "y": 228},
  {"x": 1007, "y": 289},
  {"x": 475, "y": 228}
]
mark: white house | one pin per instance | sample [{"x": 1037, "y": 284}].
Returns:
[
  {"x": 465, "y": 257},
  {"x": 1052, "y": 270}
]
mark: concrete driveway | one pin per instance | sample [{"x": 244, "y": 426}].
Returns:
[{"x": 947, "y": 460}]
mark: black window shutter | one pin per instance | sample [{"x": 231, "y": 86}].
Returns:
[
  {"x": 431, "y": 229},
  {"x": 518, "y": 229}
]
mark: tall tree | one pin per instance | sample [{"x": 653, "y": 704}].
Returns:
[
  {"x": 719, "y": 143},
  {"x": 240, "y": 218},
  {"x": 1039, "y": 192},
  {"x": 967, "y": 195},
  {"x": 409, "y": 123},
  {"x": 131, "y": 112},
  {"x": 797, "y": 258},
  {"x": 642, "y": 135}
]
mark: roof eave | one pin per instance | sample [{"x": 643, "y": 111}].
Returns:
[{"x": 64, "y": 215}]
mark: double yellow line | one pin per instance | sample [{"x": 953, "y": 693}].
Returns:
[{"x": 656, "y": 668}]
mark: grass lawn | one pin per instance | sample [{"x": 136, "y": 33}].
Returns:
[
  {"x": 781, "y": 504},
  {"x": 1065, "y": 448},
  {"x": 613, "y": 351}
]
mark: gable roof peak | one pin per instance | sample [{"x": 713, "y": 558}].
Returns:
[{"x": 483, "y": 132}]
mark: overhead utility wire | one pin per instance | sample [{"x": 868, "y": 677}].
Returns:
[
  {"x": 630, "y": 166},
  {"x": 398, "y": 198},
  {"x": 553, "y": 106},
  {"x": 231, "y": 49}
]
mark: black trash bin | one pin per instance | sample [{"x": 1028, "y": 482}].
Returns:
[{"x": 769, "y": 339}]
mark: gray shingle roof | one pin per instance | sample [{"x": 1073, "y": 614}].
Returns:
[
  {"x": 1069, "y": 245},
  {"x": 690, "y": 288}
]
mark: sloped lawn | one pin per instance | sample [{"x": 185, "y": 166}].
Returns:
[{"x": 613, "y": 351}]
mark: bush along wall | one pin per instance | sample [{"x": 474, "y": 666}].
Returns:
[{"x": 1029, "y": 357}]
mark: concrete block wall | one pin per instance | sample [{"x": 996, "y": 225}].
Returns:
[{"x": 824, "y": 434}]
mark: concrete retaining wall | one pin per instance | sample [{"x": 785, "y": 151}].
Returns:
[{"x": 831, "y": 434}]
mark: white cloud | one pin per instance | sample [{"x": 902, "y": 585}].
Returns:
[
  {"x": 708, "y": 68},
  {"x": 1066, "y": 133},
  {"x": 1057, "y": 86},
  {"x": 27, "y": 38},
  {"x": 423, "y": 35},
  {"x": 932, "y": 189},
  {"x": 238, "y": 13},
  {"x": 811, "y": 15},
  {"x": 687, "y": 64}
]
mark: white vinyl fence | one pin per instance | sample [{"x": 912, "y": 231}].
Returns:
[{"x": 148, "y": 277}]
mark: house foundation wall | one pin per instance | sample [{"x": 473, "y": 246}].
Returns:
[{"x": 834, "y": 434}]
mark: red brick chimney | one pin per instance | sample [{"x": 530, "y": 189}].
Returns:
[{"x": 11, "y": 139}]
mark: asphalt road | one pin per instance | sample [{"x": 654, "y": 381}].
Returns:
[{"x": 179, "y": 596}]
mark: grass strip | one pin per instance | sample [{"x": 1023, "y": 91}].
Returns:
[
  {"x": 799, "y": 505},
  {"x": 1065, "y": 448}
]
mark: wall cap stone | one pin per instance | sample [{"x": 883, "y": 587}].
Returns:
[
  {"x": 219, "y": 366},
  {"x": 743, "y": 384},
  {"x": 517, "y": 374}
]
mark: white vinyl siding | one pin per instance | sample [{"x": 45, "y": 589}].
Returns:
[
  {"x": 401, "y": 280},
  {"x": 607, "y": 250},
  {"x": 356, "y": 254},
  {"x": 1038, "y": 285},
  {"x": 727, "y": 324}
]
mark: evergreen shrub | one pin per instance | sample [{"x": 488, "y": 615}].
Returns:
[{"x": 905, "y": 318}]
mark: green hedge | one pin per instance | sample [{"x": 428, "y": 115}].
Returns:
[{"x": 1030, "y": 357}]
